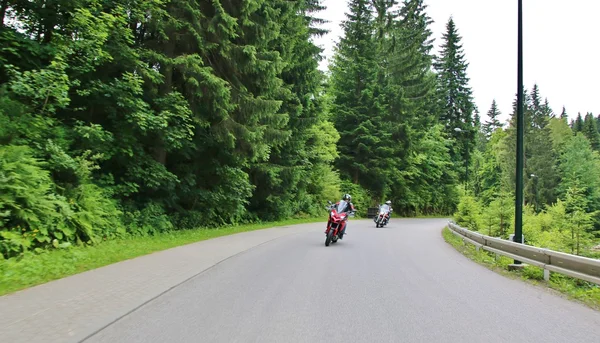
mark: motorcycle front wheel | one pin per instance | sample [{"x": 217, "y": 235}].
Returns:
[{"x": 328, "y": 239}]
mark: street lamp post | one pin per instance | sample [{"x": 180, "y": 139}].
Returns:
[{"x": 518, "y": 237}]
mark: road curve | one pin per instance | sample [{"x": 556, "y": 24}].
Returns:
[{"x": 401, "y": 283}]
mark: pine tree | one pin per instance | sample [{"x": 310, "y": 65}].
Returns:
[
  {"x": 410, "y": 66},
  {"x": 547, "y": 111},
  {"x": 476, "y": 119},
  {"x": 283, "y": 182},
  {"x": 535, "y": 107},
  {"x": 563, "y": 114},
  {"x": 540, "y": 175},
  {"x": 493, "y": 123},
  {"x": 480, "y": 134},
  {"x": 580, "y": 168},
  {"x": 418, "y": 183},
  {"x": 353, "y": 74},
  {"x": 541, "y": 179},
  {"x": 456, "y": 94},
  {"x": 578, "y": 125},
  {"x": 590, "y": 130}
]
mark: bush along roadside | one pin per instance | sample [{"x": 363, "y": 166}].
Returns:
[
  {"x": 31, "y": 268},
  {"x": 582, "y": 291}
]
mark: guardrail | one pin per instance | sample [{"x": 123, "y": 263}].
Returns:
[{"x": 578, "y": 267}]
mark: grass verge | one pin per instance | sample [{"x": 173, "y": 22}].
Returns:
[
  {"x": 34, "y": 269},
  {"x": 582, "y": 291}
]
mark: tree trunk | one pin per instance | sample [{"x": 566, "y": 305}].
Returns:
[
  {"x": 160, "y": 152},
  {"x": 3, "y": 8}
]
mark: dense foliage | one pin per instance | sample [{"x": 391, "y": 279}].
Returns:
[
  {"x": 391, "y": 110},
  {"x": 138, "y": 117},
  {"x": 562, "y": 180}
]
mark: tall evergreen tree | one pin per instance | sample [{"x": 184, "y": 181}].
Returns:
[
  {"x": 564, "y": 114},
  {"x": 538, "y": 117},
  {"x": 493, "y": 123},
  {"x": 578, "y": 124},
  {"x": 282, "y": 183},
  {"x": 413, "y": 109},
  {"x": 353, "y": 74},
  {"x": 456, "y": 94},
  {"x": 540, "y": 173},
  {"x": 590, "y": 130}
]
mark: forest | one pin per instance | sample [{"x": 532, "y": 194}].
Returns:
[{"x": 140, "y": 117}]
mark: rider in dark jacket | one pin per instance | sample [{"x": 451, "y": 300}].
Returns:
[{"x": 349, "y": 208}]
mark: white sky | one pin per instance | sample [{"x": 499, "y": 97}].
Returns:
[{"x": 561, "y": 48}]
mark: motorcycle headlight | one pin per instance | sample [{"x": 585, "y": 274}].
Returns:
[{"x": 332, "y": 213}]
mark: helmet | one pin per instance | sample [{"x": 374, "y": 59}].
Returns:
[
  {"x": 347, "y": 197},
  {"x": 388, "y": 203}
]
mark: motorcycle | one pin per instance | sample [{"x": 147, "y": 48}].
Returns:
[
  {"x": 336, "y": 225},
  {"x": 383, "y": 216}
]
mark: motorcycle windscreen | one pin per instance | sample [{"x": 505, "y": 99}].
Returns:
[
  {"x": 342, "y": 206},
  {"x": 384, "y": 208}
]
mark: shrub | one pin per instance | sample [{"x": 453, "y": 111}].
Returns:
[{"x": 33, "y": 214}]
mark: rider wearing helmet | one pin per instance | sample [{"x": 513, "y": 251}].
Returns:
[
  {"x": 349, "y": 208},
  {"x": 389, "y": 203}
]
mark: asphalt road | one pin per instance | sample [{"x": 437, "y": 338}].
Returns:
[{"x": 401, "y": 283}]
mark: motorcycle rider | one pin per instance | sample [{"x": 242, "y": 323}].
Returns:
[
  {"x": 349, "y": 208},
  {"x": 389, "y": 203}
]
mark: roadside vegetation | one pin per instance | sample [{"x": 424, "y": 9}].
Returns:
[
  {"x": 31, "y": 269},
  {"x": 137, "y": 122},
  {"x": 582, "y": 291}
]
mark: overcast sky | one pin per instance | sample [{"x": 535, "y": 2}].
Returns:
[{"x": 561, "y": 48}]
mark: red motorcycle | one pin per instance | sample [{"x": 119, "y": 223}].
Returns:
[{"x": 336, "y": 225}]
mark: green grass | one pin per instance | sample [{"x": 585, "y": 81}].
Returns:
[
  {"x": 34, "y": 269},
  {"x": 582, "y": 291}
]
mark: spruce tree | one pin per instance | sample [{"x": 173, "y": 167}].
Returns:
[
  {"x": 353, "y": 75},
  {"x": 480, "y": 135},
  {"x": 563, "y": 114},
  {"x": 493, "y": 122},
  {"x": 540, "y": 111},
  {"x": 535, "y": 106},
  {"x": 590, "y": 130},
  {"x": 456, "y": 94},
  {"x": 283, "y": 182},
  {"x": 578, "y": 124},
  {"x": 540, "y": 176},
  {"x": 417, "y": 183}
]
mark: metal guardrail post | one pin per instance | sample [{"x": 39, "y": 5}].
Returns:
[{"x": 551, "y": 261}]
